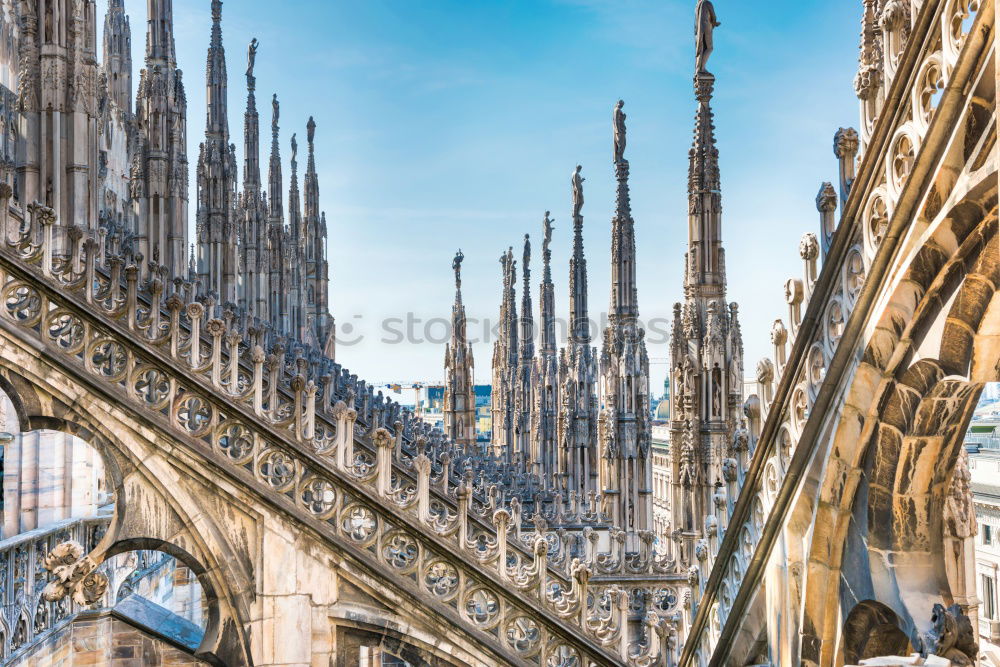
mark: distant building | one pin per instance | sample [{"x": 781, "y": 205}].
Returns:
[
  {"x": 661, "y": 408},
  {"x": 432, "y": 406},
  {"x": 982, "y": 442},
  {"x": 984, "y": 465},
  {"x": 661, "y": 481}
]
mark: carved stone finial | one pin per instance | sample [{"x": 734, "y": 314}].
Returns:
[
  {"x": 808, "y": 247},
  {"x": 845, "y": 143},
  {"x": 826, "y": 200},
  {"x": 382, "y": 438},
  {"x": 778, "y": 333}
]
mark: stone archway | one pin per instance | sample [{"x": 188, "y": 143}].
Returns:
[
  {"x": 360, "y": 644},
  {"x": 878, "y": 533},
  {"x": 872, "y": 630},
  {"x": 206, "y": 647},
  {"x": 152, "y": 510}
]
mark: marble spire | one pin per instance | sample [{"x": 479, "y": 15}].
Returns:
[
  {"x": 276, "y": 235},
  {"x": 579, "y": 331},
  {"x": 159, "y": 171},
  {"x": 624, "y": 306},
  {"x": 254, "y": 290},
  {"x": 706, "y": 349},
  {"x": 546, "y": 291},
  {"x": 545, "y": 374},
  {"x": 625, "y": 429},
  {"x": 251, "y": 131},
  {"x": 459, "y": 406},
  {"x": 218, "y": 237},
  {"x": 705, "y": 261},
  {"x": 316, "y": 322},
  {"x": 505, "y": 363},
  {"x": 525, "y": 361},
  {"x": 577, "y": 423},
  {"x": 160, "y": 33},
  {"x": 217, "y": 80},
  {"x": 117, "y": 53}
]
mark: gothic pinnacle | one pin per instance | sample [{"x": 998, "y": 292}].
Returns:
[
  {"x": 546, "y": 295},
  {"x": 546, "y": 251},
  {"x": 274, "y": 171},
  {"x": 623, "y": 205},
  {"x": 527, "y": 323},
  {"x": 218, "y": 122},
  {"x": 623, "y": 287},
  {"x": 579, "y": 325}
]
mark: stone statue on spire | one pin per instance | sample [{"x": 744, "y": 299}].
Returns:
[
  {"x": 295, "y": 148},
  {"x": 456, "y": 264},
  {"x": 275, "y": 112},
  {"x": 705, "y": 25},
  {"x": 577, "y": 181},
  {"x": 619, "y": 127},
  {"x": 251, "y": 57},
  {"x": 546, "y": 232}
]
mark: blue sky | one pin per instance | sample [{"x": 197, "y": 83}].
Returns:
[{"x": 456, "y": 123}]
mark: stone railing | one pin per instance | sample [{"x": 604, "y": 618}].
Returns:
[
  {"x": 27, "y": 616},
  {"x": 794, "y": 393},
  {"x": 282, "y": 429}
]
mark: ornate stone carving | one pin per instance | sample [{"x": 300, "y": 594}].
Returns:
[
  {"x": 959, "y": 514},
  {"x": 951, "y": 636},
  {"x": 75, "y": 575}
]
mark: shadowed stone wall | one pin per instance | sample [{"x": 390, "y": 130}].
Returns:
[{"x": 103, "y": 639}]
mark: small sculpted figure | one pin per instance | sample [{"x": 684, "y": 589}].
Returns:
[
  {"x": 705, "y": 25},
  {"x": 577, "y": 180},
  {"x": 456, "y": 264},
  {"x": 251, "y": 56},
  {"x": 619, "y": 127}
]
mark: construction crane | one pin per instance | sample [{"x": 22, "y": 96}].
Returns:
[{"x": 417, "y": 387}]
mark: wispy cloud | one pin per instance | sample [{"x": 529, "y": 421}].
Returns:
[{"x": 659, "y": 33}]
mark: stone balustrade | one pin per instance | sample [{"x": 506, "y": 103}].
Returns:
[
  {"x": 27, "y": 616},
  {"x": 305, "y": 434}
]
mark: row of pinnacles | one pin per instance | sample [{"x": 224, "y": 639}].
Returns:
[
  {"x": 246, "y": 315},
  {"x": 297, "y": 420},
  {"x": 109, "y": 165},
  {"x": 568, "y": 423}
]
